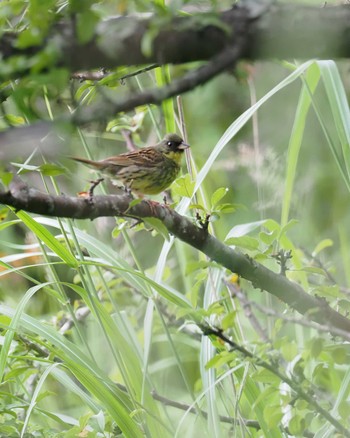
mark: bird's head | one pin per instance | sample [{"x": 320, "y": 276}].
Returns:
[{"x": 173, "y": 146}]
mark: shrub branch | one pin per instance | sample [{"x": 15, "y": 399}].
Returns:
[{"x": 21, "y": 197}]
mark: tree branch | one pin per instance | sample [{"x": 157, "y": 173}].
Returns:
[
  {"x": 21, "y": 197},
  {"x": 270, "y": 30},
  {"x": 97, "y": 112}
]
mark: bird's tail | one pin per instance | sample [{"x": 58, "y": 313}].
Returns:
[{"x": 93, "y": 164}]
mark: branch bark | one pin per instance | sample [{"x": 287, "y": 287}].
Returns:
[
  {"x": 256, "y": 30},
  {"x": 21, "y": 197},
  {"x": 270, "y": 30}
]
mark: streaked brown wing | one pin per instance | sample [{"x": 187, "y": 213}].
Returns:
[{"x": 145, "y": 157}]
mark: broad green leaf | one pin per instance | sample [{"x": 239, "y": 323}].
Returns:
[
  {"x": 243, "y": 229},
  {"x": 183, "y": 186},
  {"x": 115, "y": 401},
  {"x": 245, "y": 242},
  {"x": 325, "y": 243},
  {"x": 158, "y": 225},
  {"x": 217, "y": 196},
  {"x": 273, "y": 415},
  {"x": 43, "y": 234},
  {"x": 48, "y": 169},
  {"x": 311, "y": 81},
  {"x": 13, "y": 328}
]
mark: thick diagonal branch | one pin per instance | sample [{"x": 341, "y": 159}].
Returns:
[{"x": 21, "y": 197}]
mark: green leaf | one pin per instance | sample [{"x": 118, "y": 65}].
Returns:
[
  {"x": 245, "y": 242},
  {"x": 226, "y": 208},
  {"x": 327, "y": 291},
  {"x": 268, "y": 238},
  {"x": 344, "y": 409},
  {"x": 115, "y": 401},
  {"x": 43, "y": 234},
  {"x": 325, "y": 243},
  {"x": 220, "y": 359},
  {"x": 134, "y": 202},
  {"x": 243, "y": 229},
  {"x": 339, "y": 355},
  {"x": 291, "y": 223},
  {"x": 158, "y": 225},
  {"x": 29, "y": 37},
  {"x": 6, "y": 177},
  {"x": 48, "y": 169},
  {"x": 15, "y": 120},
  {"x": 310, "y": 82},
  {"x": 198, "y": 207},
  {"x": 273, "y": 415},
  {"x": 289, "y": 350},
  {"x": 296, "y": 425},
  {"x": 228, "y": 320},
  {"x": 272, "y": 225},
  {"x": 217, "y": 196},
  {"x": 26, "y": 167},
  {"x": 183, "y": 186},
  {"x": 316, "y": 347},
  {"x": 314, "y": 270},
  {"x": 13, "y": 327},
  {"x": 265, "y": 376},
  {"x": 118, "y": 228}
]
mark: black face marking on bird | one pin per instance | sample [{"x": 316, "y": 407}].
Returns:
[{"x": 175, "y": 143}]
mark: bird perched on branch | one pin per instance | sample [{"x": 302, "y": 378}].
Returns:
[{"x": 147, "y": 171}]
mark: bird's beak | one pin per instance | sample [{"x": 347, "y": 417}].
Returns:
[{"x": 183, "y": 146}]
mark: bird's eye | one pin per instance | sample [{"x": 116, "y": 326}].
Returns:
[{"x": 170, "y": 144}]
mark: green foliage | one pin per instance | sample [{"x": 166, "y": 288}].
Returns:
[{"x": 98, "y": 319}]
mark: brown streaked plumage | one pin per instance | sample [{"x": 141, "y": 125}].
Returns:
[{"x": 149, "y": 170}]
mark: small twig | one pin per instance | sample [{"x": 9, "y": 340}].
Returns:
[
  {"x": 301, "y": 321},
  {"x": 203, "y": 223},
  {"x": 246, "y": 304},
  {"x": 184, "y": 407},
  {"x": 282, "y": 258},
  {"x": 90, "y": 75},
  {"x": 34, "y": 347},
  {"x": 138, "y": 72},
  {"x": 224, "y": 60},
  {"x": 94, "y": 184},
  {"x": 103, "y": 73},
  {"x": 130, "y": 145},
  {"x": 330, "y": 277}
]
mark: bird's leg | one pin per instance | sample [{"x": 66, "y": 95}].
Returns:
[
  {"x": 128, "y": 189},
  {"x": 167, "y": 198}
]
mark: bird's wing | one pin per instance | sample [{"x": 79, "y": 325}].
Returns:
[{"x": 146, "y": 157}]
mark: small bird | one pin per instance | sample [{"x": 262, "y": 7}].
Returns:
[{"x": 147, "y": 171}]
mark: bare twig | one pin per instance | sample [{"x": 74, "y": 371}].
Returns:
[
  {"x": 128, "y": 140},
  {"x": 301, "y": 321},
  {"x": 184, "y": 407},
  {"x": 235, "y": 290},
  {"x": 224, "y": 60},
  {"x": 138, "y": 72}
]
